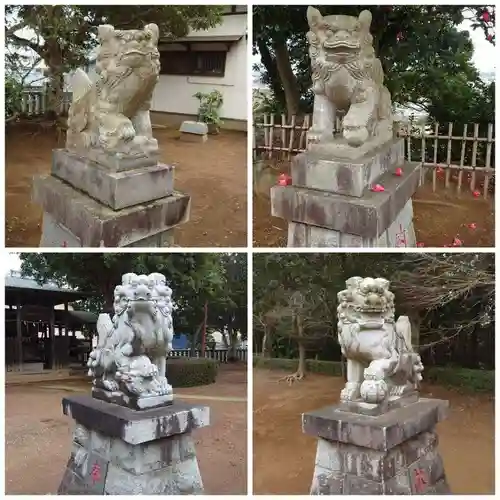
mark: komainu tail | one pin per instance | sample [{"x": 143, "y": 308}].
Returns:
[
  {"x": 80, "y": 84},
  {"x": 403, "y": 329}
]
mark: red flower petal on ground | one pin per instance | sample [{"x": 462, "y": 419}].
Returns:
[
  {"x": 457, "y": 242},
  {"x": 284, "y": 180},
  {"x": 472, "y": 225},
  {"x": 476, "y": 194},
  {"x": 420, "y": 244},
  {"x": 398, "y": 172},
  {"x": 378, "y": 188}
]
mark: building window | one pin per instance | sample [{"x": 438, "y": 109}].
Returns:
[{"x": 200, "y": 63}]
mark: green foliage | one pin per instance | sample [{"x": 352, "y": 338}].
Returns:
[
  {"x": 191, "y": 372},
  {"x": 64, "y": 35},
  {"x": 195, "y": 279},
  {"x": 210, "y": 104},
  {"x": 426, "y": 60},
  {"x": 13, "y": 96},
  {"x": 462, "y": 378},
  {"x": 449, "y": 299},
  {"x": 459, "y": 378}
]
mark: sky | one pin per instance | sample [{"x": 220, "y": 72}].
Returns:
[{"x": 13, "y": 262}]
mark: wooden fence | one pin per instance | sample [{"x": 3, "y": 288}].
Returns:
[
  {"x": 220, "y": 355},
  {"x": 442, "y": 149}
]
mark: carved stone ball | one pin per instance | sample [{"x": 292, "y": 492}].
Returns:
[{"x": 374, "y": 391}]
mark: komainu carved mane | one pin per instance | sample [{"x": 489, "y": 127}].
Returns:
[
  {"x": 347, "y": 76},
  {"x": 112, "y": 114}
]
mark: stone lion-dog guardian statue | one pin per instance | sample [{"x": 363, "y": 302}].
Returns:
[
  {"x": 383, "y": 370},
  {"x": 129, "y": 362},
  {"x": 347, "y": 76},
  {"x": 112, "y": 114}
]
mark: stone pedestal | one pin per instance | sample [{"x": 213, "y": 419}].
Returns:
[
  {"x": 87, "y": 204},
  {"x": 119, "y": 451},
  {"x": 330, "y": 202},
  {"x": 395, "y": 453}
]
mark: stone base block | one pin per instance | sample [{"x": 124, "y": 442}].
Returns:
[
  {"x": 393, "y": 454},
  {"x": 193, "y": 131},
  {"x": 187, "y": 137},
  {"x": 400, "y": 234},
  {"x": 391, "y": 403},
  {"x": 77, "y": 219},
  {"x": 369, "y": 216},
  {"x": 118, "y": 451},
  {"x": 317, "y": 170},
  {"x": 117, "y": 190},
  {"x": 132, "y": 402},
  {"x": 119, "y": 162}
]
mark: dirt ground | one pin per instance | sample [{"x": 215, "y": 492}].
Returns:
[
  {"x": 439, "y": 217},
  {"x": 283, "y": 457},
  {"x": 213, "y": 173},
  {"x": 38, "y": 442}
]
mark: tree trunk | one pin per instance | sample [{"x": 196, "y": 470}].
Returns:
[
  {"x": 301, "y": 369},
  {"x": 194, "y": 342},
  {"x": 287, "y": 77},
  {"x": 272, "y": 70}
]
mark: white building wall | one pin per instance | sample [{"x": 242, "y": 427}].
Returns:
[{"x": 174, "y": 93}]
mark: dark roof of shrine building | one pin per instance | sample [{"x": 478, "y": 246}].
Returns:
[{"x": 28, "y": 291}]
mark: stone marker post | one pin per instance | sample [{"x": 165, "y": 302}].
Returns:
[
  {"x": 352, "y": 187},
  {"x": 107, "y": 187},
  {"x": 130, "y": 436},
  {"x": 381, "y": 438}
]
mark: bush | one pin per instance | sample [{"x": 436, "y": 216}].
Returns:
[
  {"x": 190, "y": 372},
  {"x": 460, "y": 378}
]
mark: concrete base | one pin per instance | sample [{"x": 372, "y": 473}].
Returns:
[
  {"x": 400, "y": 234},
  {"x": 317, "y": 170},
  {"x": 134, "y": 403},
  {"x": 330, "y": 202},
  {"x": 119, "y": 451},
  {"x": 391, "y": 454},
  {"x": 117, "y": 190},
  {"x": 74, "y": 219}
]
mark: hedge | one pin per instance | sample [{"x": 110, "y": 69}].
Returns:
[
  {"x": 461, "y": 378},
  {"x": 190, "y": 372}
]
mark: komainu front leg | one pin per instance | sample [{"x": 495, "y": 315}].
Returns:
[
  {"x": 359, "y": 120},
  {"x": 354, "y": 380},
  {"x": 143, "y": 127},
  {"x": 323, "y": 120}
]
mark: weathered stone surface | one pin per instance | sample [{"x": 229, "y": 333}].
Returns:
[
  {"x": 108, "y": 465},
  {"x": 186, "y": 137},
  {"x": 191, "y": 127},
  {"x": 95, "y": 225},
  {"x": 374, "y": 409},
  {"x": 369, "y": 216},
  {"x": 136, "y": 403},
  {"x": 132, "y": 426},
  {"x": 348, "y": 469},
  {"x": 115, "y": 189},
  {"x": 341, "y": 83},
  {"x": 378, "y": 433},
  {"x": 128, "y": 364},
  {"x": 351, "y": 178},
  {"x": 110, "y": 117}
]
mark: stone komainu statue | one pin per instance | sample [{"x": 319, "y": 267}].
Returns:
[
  {"x": 112, "y": 114},
  {"x": 130, "y": 357},
  {"x": 381, "y": 362},
  {"x": 347, "y": 76}
]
